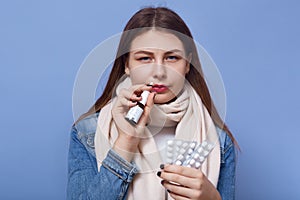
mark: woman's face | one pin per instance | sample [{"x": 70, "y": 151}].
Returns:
[{"x": 158, "y": 57}]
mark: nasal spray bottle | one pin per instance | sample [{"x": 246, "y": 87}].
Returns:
[{"x": 135, "y": 113}]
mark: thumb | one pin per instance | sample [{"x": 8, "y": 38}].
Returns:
[{"x": 147, "y": 109}]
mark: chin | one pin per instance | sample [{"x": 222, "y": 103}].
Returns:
[{"x": 160, "y": 99}]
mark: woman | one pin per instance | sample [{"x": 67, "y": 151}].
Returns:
[{"x": 109, "y": 158}]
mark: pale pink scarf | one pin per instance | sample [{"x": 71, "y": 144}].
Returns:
[{"x": 193, "y": 123}]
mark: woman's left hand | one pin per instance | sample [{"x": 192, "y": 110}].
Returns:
[{"x": 193, "y": 184}]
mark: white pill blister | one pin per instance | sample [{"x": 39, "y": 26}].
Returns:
[
  {"x": 177, "y": 150},
  {"x": 187, "y": 153},
  {"x": 199, "y": 155}
]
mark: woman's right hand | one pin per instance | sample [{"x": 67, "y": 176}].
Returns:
[{"x": 128, "y": 135}]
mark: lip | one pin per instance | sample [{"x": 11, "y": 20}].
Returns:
[{"x": 159, "y": 88}]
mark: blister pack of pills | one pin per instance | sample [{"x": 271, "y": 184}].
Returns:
[
  {"x": 187, "y": 153},
  {"x": 177, "y": 148},
  {"x": 199, "y": 155}
]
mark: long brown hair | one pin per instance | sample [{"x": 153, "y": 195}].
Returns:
[{"x": 164, "y": 19}]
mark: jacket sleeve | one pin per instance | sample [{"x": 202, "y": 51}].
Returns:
[
  {"x": 84, "y": 180},
  {"x": 226, "y": 184}
]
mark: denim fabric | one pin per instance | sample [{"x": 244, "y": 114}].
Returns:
[
  {"x": 226, "y": 183},
  {"x": 116, "y": 174}
]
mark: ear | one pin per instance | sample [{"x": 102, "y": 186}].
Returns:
[
  {"x": 188, "y": 63},
  {"x": 127, "y": 71}
]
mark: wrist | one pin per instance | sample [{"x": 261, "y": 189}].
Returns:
[
  {"x": 126, "y": 147},
  {"x": 126, "y": 144}
]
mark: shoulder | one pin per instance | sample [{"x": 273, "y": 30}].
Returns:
[
  {"x": 226, "y": 183},
  {"x": 85, "y": 129},
  {"x": 225, "y": 140},
  {"x": 226, "y": 145},
  {"x": 88, "y": 124}
]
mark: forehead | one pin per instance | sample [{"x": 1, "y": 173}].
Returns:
[{"x": 156, "y": 40}]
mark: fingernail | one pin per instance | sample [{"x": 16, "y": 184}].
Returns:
[
  {"x": 158, "y": 173},
  {"x": 162, "y": 182},
  {"x": 150, "y": 84},
  {"x": 154, "y": 95},
  {"x": 169, "y": 191},
  {"x": 162, "y": 166}
]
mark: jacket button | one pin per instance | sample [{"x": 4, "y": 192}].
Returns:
[{"x": 90, "y": 140}]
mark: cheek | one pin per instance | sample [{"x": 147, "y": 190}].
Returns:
[
  {"x": 140, "y": 75},
  {"x": 178, "y": 79},
  {"x": 179, "y": 85}
]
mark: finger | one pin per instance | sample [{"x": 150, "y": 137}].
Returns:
[
  {"x": 184, "y": 171},
  {"x": 150, "y": 100},
  {"x": 134, "y": 93},
  {"x": 149, "y": 104},
  {"x": 177, "y": 191},
  {"x": 147, "y": 109},
  {"x": 177, "y": 197},
  {"x": 130, "y": 95},
  {"x": 127, "y": 103},
  {"x": 138, "y": 89},
  {"x": 180, "y": 179}
]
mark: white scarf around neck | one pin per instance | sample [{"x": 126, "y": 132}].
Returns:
[{"x": 193, "y": 124}]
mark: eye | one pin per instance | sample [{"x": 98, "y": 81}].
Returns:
[
  {"x": 172, "y": 58},
  {"x": 144, "y": 59}
]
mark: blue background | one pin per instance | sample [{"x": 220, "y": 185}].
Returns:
[{"x": 255, "y": 45}]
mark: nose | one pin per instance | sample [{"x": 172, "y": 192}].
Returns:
[{"x": 159, "y": 71}]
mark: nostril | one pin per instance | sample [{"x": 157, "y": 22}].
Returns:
[
  {"x": 159, "y": 76},
  {"x": 159, "y": 72}
]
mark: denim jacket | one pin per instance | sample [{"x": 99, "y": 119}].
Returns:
[{"x": 116, "y": 174}]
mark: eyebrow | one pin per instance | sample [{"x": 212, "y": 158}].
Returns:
[
  {"x": 143, "y": 52},
  {"x": 151, "y": 53},
  {"x": 174, "y": 51}
]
